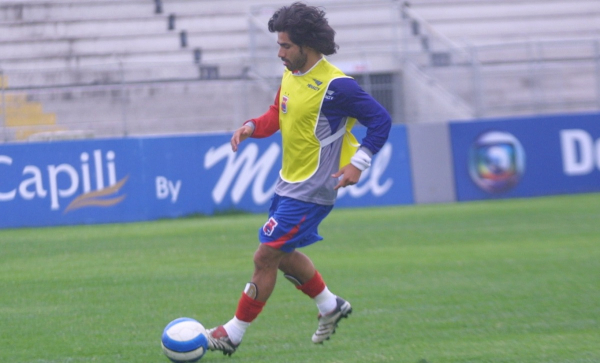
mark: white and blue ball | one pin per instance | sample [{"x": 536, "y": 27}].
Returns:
[{"x": 184, "y": 340}]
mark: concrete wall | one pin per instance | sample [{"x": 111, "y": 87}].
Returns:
[{"x": 431, "y": 163}]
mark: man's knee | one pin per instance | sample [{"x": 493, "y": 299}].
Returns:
[{"x": 267, "y": 257}]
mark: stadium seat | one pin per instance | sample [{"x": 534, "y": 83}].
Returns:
[{"x": 23, "y": 117}]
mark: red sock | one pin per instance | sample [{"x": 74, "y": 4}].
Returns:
[
  {"x": 314, "y": 286},
  {"x": 248, "y": 308}
]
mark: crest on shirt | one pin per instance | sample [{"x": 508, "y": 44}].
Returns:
[
  {"x": 284, "y": 101},
  {"x": 269, "y": 227}
]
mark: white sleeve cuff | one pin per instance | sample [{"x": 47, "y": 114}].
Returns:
[
  {"x": 361, "y": 160},
  {"x": 251, "y": 124}
]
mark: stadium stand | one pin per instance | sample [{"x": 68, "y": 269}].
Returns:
[
  {"x": 126, "y": 67},
  {"x": 476, "y": 22},
  {"x": 124, "y": 60},
  {"x": 510, "y": 57}
]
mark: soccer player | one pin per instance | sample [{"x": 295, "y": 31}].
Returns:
[{"x": 314, "y": 109}]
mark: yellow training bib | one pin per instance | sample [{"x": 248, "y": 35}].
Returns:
[{"x": 301, "y": 98}]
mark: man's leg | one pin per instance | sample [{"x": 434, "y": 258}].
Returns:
[
  {"x": 229, "y": 336},
  {"x": 266, "y": 265},
  {"x": 300, "y": 270}
]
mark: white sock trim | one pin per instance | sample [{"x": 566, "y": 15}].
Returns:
[
  {"x": 236, "y": 329},
  {"x": 326, "y": 301}
]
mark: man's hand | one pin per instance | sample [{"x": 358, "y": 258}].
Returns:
[
  {"x": 349, "y": 174},
  {"x": 240, "y": 135}
]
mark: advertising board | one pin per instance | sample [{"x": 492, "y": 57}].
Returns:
[
  {"x": 137, "y": 179},
  {"x": 526, "y": 157}
]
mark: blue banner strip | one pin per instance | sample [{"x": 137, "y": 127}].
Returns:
[
  {"x": 138, "y": 179},
  {"x": 526, "y": 157}
]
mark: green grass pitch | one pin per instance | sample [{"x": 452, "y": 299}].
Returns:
[{"x": 500, "y": 281}]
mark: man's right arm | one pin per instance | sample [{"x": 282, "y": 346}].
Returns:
[
  {"x": 268, "y": 123},
  {"x": 259, "y": 127}
]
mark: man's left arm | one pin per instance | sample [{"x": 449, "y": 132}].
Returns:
[
  {"x": 362, "y": 106},
  {"x": 356, "y": 103}
]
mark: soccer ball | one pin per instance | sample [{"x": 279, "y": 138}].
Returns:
[{"x": 184, "y": 340}]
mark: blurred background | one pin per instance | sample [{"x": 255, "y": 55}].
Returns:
[{"x": 92, "y": 69}]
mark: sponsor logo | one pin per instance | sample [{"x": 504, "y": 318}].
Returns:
[
  {"x": 496, "y": 161},
  {"x": 580, "y": 152},
  {"x": 269, "y": 227},
  {"x": 329, "y": 95},
  {"x": 284, "y": 101},
  {"x": 313, "y": 87},
  {"x": 317, "y": 82},
  {"x": 243, "y": 169},
  {"x": 248, "y": 168},
  {"x": 99, "y": 198},
  {"x": 63, "y": 181}
]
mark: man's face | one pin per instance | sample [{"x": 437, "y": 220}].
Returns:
[{"x": 292, "y": 55}]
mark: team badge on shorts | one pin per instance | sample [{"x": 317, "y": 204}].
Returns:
[{"x": 269, "y": 227}]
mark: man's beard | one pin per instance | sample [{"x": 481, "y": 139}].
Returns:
[{"x": 298, "y": 63}]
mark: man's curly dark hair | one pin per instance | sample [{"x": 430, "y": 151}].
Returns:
[{"x": 306, "y": 26}]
